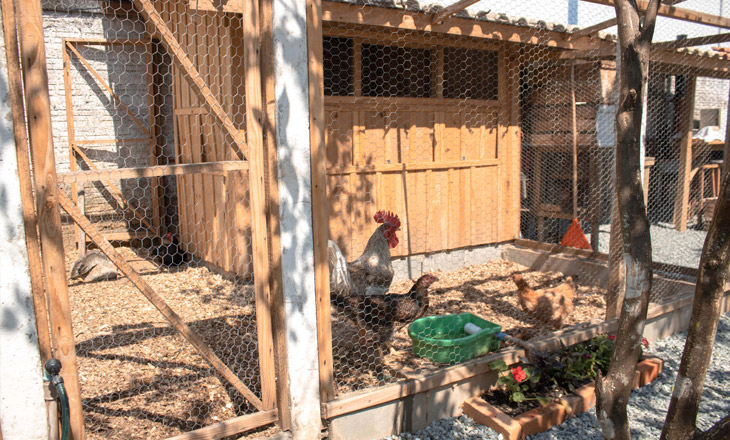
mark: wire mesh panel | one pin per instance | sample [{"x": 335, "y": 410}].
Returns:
[
  {"x": 450, "y": 134},
  {"x": 149, "y": 111}
]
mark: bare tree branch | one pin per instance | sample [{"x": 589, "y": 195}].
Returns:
[
  {"x": 720, "y": 431},
  {"x": 681, "y": 418}
]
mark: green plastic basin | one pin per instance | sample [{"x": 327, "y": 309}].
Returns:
[{"x": 443, "y": 338}]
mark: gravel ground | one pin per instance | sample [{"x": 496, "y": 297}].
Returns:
[
  {"x": 647, "y": 406},
  {"x": 668, "y": 245}
]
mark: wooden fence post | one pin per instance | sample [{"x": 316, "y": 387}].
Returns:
[
  {"x": 15, "y": 86},
  {"x": 35, "y": 76}
]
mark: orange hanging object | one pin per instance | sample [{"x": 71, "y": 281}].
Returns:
[{"x": 575, "y": 237}]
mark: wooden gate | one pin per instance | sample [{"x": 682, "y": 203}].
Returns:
[{"x": 221, "y": 190}]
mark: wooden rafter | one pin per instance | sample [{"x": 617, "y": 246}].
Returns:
[
  {"x": 677, "y": 13},
  {"x": 688, "y": 42},
  {"x": 173, "y": 318},
  {"x": 590, "y": 30},
  {"x": 451, "y": 10},
  {"x": 149, "y": 12},
  {"x": 106, "y": 86}
]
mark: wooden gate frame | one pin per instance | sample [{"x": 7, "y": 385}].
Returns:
[
  {"x": 74, "y": 145},
  {"x": 48, "y": 199}
]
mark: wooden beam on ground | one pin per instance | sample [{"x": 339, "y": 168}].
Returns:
[
  {"x": 681, "y": 202},
  {"x": 149, "y": 12},
  {"x": 230, "y": 427},
  {"x": 219, "y": 168},
  {"x": 109, "y": 41},
  {"x": 30, "y": 221},
  {"x": 450, "y": 10},
  {"x": 40, "y": 134},
  {"x": 259, "y": 236},
  {"x": 676, "y": 13},
  {"x": 320, "y": 216},
  {"x": 688, "y": 42},
  {"x": 106, "y": 86},
  {"x": 173, "y": 318},
  {"x": 590, "y": 30},
  {"x": 124, "y": 235},
  {"x": 272, "y": 213}
]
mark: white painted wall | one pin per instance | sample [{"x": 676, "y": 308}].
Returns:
[
  {"x": 22, "y": 408},
  {"x": 295, "y": 210}
]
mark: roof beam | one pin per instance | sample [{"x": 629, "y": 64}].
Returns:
[
  {"x": 697, "y": 41},
  {"x": 451, "y": 10},
  {"x": 590, "y": 30},
  {"x": 677, "y": 13}
]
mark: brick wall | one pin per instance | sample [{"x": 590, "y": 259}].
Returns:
[
  {"x": 712, "y": 93},
  {"x": 97, "y": 116}
]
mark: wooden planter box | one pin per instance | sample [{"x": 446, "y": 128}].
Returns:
[{"x": 545, "y": 417}]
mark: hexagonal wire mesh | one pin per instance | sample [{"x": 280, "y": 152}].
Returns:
[
  {"x": 122, "y": 99},
  {"x": 461, "y": 134},
  {"x": 494, "y": 126}
]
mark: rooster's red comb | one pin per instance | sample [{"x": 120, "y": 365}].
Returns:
[{"x": 389, "y": 218}]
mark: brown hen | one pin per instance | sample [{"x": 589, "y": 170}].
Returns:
[{"x": 551, "y": 306}]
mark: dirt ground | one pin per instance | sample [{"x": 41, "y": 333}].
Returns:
[{"x": 141, "y": 380}]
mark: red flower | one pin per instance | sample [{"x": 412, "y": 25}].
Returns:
[
  {"x": 645, "y": 343},
  {"x": 518, "y": 374},
  {"x": 612, "y": 337}
]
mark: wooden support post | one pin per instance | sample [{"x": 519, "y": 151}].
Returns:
[
  {"x": 71, "y": 135},
  {"x": 148, "y": 10},
  {"x": 575, "y": 141},
  {"x": 681, "y": 203},
  {"x": 153, "y": 149},
  {"x": 726, "y": 150},
  {"x": 35, "y": 79},
  {"x": 320, "y": 216},
  {"x": 35, "y": 265},
  {"x": 272, "y": 220},
  {"x": 178, "y": 323},
  {"x": 260, "y": 245}
]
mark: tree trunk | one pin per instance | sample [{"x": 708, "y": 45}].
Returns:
[
  {"x": 612, "y": 392},
  {"x": 714, "y": 264}
]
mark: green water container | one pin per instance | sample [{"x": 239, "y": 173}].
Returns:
[{"x": 443, "y": 338}]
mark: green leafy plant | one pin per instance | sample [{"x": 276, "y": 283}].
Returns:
[{"x": 517, "y": 381}]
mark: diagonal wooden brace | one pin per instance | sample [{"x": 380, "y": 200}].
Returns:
[
  {"x": 148, "y": 11},
  {"x": 106, "y": 86},
  {"x": 157, "y": 300}
]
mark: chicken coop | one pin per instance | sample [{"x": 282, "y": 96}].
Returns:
[{"x": 281, "y": 195}]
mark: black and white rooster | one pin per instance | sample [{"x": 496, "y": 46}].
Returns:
[{"x": 169, "y": 253}]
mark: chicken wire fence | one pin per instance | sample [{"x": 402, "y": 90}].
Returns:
[
  {"x": 125, "y": 104},
  {"x": 445, "y": 141},
  {"x": 444, "y": 144}
]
